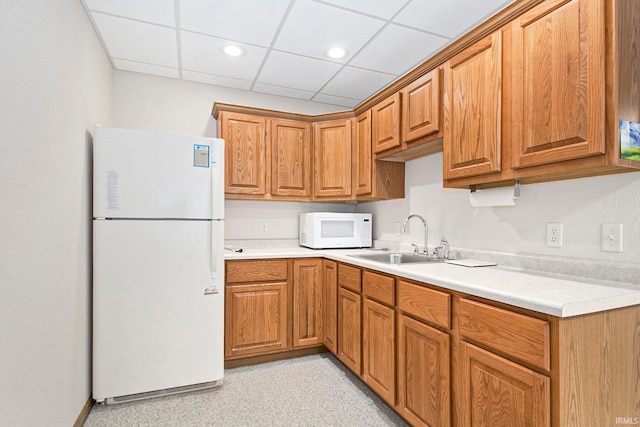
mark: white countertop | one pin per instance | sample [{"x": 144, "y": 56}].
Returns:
[{"x": 558, "y": 295}]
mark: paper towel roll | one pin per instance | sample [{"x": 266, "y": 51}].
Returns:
[{"x": 492, "y": 197}]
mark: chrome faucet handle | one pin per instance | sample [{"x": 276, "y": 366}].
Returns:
[
  {"x": 416, "y": 249},
  {"x": 445, "y": 246}
]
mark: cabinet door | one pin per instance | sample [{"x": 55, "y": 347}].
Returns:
[
  {"x": 332, "y": 159},
  {"x": 307, "y": 302},
  {"x": 385, "y": 124},
  {"x": 330, "y": 305},
  {"x": 558, "y": 82},
  {"x": 421, "y": 107},
  {"x": 379, "y": 349},
  {"x": 473, "y": 111},
  {"x": 245, "y": 153},
  {"x": 498, "y": 392},
  {"x": 423, "y": 373},
  {"x": 349, "y": 329},
  {"x": 255, "y": 319},
  {"x": 374, "y": 179},
  {"x": 290, "y": 158},
  {"x": 363, "y": 155}
]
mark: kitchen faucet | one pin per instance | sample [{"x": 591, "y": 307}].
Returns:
[{"x": 416, "y": 249}]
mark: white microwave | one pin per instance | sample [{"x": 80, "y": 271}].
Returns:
[{"x": 324, "y": 230}]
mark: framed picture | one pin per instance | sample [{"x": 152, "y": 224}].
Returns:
[{"x": 629, "y": 140}]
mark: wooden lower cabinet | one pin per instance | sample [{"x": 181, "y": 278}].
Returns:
[
  {"x": 330, "y": 305},
  {"x": 378, "y": 348},
  {"x": 307, "y": 302},
  {"x": 497, "y": 392},
  {"x": 350, "y": 329},
  {"x": 423, "y": 373},
  {"x": 255, "y": 319},
  {"x": 440, "y": 358}
]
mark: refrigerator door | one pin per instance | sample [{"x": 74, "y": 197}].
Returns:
[
  {"x": 158, "y": 316},
  {"x": 153, "y": 175}
]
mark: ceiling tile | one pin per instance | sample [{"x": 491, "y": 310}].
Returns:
[
  {"x": 297, "y": 72},
  {"x": 282, "y": 91},
  {"x": 246, "y": 21},
  {"x": 382, "y": 9},
  {"x": 216, "y": 80},
  {"x": 448, "y": 18},
  {"x": 204, "y": 54},
  {"x": 311, "y": 28},
  {"x": 154, "y": 11},
  {"x": 336, "y": 100},
  {"x": 356, "y": 83},
  {"x": 140, "y": 67},
  {"x": 137, "y": 41},
  {"x": 397, "y": 49}
]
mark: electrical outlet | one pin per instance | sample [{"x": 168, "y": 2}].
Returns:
[
  {"x": 396, "y": 228},
  {"x": 554, "y": 234},
  {"x": 264, "y": 228},
  {"x": 612, "y": 237}
]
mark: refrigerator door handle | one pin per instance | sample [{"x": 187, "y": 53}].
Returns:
[
  {"x": 215, "y": 244},
  {"x": 217, "y": 179}
]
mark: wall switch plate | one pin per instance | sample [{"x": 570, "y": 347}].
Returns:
[
  {"x": 264, "y": 228},
  {"x": 612, "y": 237},
  {"x": 554, "y": 234},
  {"x": 396, "y": 228}
]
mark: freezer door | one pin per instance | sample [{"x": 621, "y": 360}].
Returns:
[
  {"x": 153, "y": 175},
  {"x": 158, "y": 316}
]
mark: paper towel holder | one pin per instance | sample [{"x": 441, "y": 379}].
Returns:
[{"x": 516, "y": 189}]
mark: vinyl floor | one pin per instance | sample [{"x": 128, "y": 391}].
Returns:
[{"x": 314, "y": 390}]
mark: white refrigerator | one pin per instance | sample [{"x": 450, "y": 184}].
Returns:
[{"x": 158, "y": 267}]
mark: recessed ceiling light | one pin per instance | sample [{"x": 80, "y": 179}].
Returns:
[
  {"x": 336, "y": 52},
  {"x": 232, "y": 50}
]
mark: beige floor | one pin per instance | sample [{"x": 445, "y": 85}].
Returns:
[{"x": 309, "y": 391}]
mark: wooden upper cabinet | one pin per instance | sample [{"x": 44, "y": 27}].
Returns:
[
  {"x": 473, "y": 110},
  {"x": 363, "y": 155},
  {"x": 385, "y": 124},
  {"x": 421, "y": 107},
  {"x": 373, "y": 179},
  {"x": 246, "y": 160},
  {"x": 290, "y": 158},
  {"x": 332, "y": 159},
  {"x": 558, "y": 82}
]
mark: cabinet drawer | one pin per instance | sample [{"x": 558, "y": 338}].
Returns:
[
  {"x": 378, "y": 287},
  {"x": 523, "y": 337},
  {"x": 256, "y": 271},
  {"x": 349, "y": 277},
  {"x": 424, "y": 303}
]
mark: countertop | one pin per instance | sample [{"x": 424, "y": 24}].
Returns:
[{"x": 557, "y": 295}]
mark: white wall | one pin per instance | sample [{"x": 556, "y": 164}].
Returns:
[
  {"x": 56, "y": 83},
  {"x": 583, "y": 205},
  {"x": 161, "y": 104}
]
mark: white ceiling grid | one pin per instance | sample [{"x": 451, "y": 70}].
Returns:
[{"x": 284, "y": 41}]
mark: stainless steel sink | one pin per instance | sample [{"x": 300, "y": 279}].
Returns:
[{"x": 399, "y": 258}]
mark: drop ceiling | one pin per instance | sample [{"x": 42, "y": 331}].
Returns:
[{"x": 284, "y": 41}]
